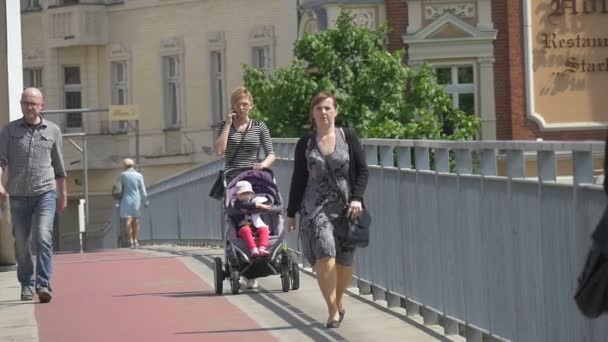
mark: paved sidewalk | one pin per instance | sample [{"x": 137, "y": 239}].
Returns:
[{"x": 165, "y": 293}]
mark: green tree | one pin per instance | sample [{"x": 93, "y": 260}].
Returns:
[{"x": 378, "y": 94}]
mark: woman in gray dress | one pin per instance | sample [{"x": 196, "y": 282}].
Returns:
[
  {"x": 315, "y": 195},
  {"x": 133, "y": 194}
]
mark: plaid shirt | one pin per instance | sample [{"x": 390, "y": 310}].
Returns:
[{"x": 33, "y": 157}]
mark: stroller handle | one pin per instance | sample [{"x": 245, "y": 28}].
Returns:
[{"x": 238, "y": 170}]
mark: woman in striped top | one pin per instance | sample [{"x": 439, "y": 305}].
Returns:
[
  {"x": 229, "y": 135},
  {"x": 231, "y": 130}
]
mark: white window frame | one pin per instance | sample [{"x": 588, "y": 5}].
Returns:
[
  {"x": 455, "y": 88},
  {"x": 216, "y": 45},
  {"x": 263, "y": 39},
  {"x": 174, "y": 79},
  {"x": 117, "y": 85},
  {"x": 72, "y": 88},
  {"x": 38, "y": 76},
  {"x": 218, "y": 85},
  {"x": 260, "y": 58}
]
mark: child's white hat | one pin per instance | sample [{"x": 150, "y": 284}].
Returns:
[{"x": 243, "y": 186}]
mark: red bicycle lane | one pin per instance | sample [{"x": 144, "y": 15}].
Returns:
[{"x": 125, "y": 295}]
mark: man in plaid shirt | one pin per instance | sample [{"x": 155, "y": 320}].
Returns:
[{"x": 31, "y": 153}]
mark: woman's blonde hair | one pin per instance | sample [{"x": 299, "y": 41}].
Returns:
[
  {"x": 320, "y": 97},
  {"x": 238, "y": 94},
  {"x": 128, "y": 163}
]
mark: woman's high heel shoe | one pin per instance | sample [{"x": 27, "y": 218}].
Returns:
[
  {"x": 342, "y": 313},
  {"x": 332, "y": 324}
]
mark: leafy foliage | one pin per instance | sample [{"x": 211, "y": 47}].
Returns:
[{"x": 378, "y": 94}]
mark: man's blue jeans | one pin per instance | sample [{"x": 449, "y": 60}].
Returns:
[{"x": 34, "y": 214}]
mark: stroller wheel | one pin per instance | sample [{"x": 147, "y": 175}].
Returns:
[
  {"x": 295, "y": 276},
  {"x": 218, "y": 276},
  {"x": 235, "y": 283},
  {"x": 285, "y": 278}
]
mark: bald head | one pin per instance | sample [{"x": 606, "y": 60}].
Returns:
[{"x": 35, "y": 92}]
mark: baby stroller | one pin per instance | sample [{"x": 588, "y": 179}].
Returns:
[{"x": 238, "y": 262}]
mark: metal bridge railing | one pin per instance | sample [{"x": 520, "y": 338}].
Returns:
[{"x": 480, "y": 235}]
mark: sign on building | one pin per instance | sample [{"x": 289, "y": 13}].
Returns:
[
  {"x": 123, "y": 112},
  {"x": 567, "y": 63}
]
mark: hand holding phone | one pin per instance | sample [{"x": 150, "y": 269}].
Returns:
[{"x": 230, "y": 116}]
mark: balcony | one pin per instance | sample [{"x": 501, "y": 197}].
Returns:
[{"x": 77, "y": 24}]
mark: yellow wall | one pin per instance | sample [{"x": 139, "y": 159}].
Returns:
[{"x": 140, "y": 27}]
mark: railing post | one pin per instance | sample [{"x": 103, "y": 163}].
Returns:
[
  {"x": 547, "y": 170},
  {"x": 450, "y": 326},
  {"x": 429, "y": 316},
  {"x": 473, "y": 335},
  {"x": 392, "y": 300},
  {"x": 404, "y": 157},
  {"x": 488, "y": 162},
  {"x": 464, "y": 161},
  {"x": 371, "y": 154},
  {"x": 364, "y": 287},
  {"x": 411, "y": 308},
  {"x": 516, "y": 167},
  {"x": 291, "y": 151},
  {"x": 378, "y": 293},
  {"x": 422, "y": 159},
  {"x": 442, "y": 160},
  {"x": 386, "y": 156},
  {"x": 582, "y": 164}
]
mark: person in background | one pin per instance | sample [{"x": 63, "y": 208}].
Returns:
[
  {"x": 133, "y": 194},
  {"x": 31, "y": 152}
]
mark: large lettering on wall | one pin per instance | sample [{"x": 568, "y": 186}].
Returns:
[{"x": 567, "y": 62}]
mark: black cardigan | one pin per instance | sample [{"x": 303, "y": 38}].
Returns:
[
  {"x": 606, "y": 167},
  {"x": 358, "y": 172}
]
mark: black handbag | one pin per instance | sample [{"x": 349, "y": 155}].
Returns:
[
  {"x": 592, "y": 291},
  {"x": 218, "y": 189},
  {"x": 357, "y": 230}
]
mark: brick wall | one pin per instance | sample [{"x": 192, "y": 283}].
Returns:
[
  {"x": 512, "y": 122},
  {"x": 396, "y": 16}
]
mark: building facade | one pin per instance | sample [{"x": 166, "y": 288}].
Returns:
[
  {"x": 319, "y": 15},
  {"x": 528, "y": 68},
  {"x": 176, "y": 60}
]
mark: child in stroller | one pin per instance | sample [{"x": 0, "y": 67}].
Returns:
[
  {"x": 262, "y": 210},
  {"x": 246, "y": 222}
]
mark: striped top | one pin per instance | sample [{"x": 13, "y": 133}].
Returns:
[
  {"x": 248, "y": 154},
  {"x": 33, "y": 156}
]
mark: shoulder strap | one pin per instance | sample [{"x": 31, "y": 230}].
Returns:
[{"x": 240, "y": 143}]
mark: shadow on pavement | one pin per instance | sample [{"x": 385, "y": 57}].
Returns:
[
  {"x": 292, "y": 315},
  {"x": 233, "y": 331},
  {"x": 188, "y": 294}
]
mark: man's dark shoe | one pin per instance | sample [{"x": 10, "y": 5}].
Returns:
[
  {"x": 26, "y": 293},
  {"x": 44, "y": 294}
]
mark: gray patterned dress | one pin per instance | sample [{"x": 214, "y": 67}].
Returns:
[{"x": 322, "y": 204}]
